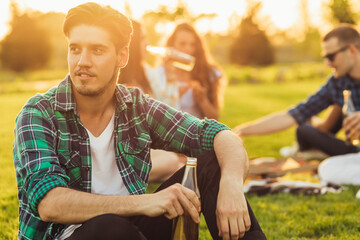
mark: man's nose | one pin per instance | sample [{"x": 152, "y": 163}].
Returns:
[{"x": 85, "y": 58}]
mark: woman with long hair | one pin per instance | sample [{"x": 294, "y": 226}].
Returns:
[{"x": 200, "y": 89}]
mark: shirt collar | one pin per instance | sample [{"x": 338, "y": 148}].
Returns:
[{"x": 65, "y": 100}]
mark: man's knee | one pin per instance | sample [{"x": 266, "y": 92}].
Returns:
[
  {"x": 305, "y": 135},
  {"x": 305, "y": 130}
]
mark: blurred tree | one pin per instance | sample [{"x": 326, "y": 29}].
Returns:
[
  {"x": 309, "y": 46},
  {"x": 217, "y": 43},
  {"x": 155, "y": 23},
  {"x": 27, "y": 46},
  {"x": 127, "y": 9},
  {"x": 252, "y": 46},
  {"x": 341, "y": 11},
  {"x": 181, "y": 11},
  {"x": 52, "y": 22},
  {"x": 166, "y": 15}
]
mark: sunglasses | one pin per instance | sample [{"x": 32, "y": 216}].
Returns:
[{"x": 331, "y": 56}]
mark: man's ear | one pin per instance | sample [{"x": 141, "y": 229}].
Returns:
[{"x": 123, "y": 57}]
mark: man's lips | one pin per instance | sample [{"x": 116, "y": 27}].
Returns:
[{"x": 84, "y": 75}]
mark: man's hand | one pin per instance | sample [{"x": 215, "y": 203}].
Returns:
[
  {"x": 351, "y": 125},
  {"x": 232, "y": 213},
  {"x": 172, "y": 202},
  {"x": 237, "y": 130}
]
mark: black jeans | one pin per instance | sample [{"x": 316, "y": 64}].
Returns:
[
  {"x": 159, "y": 228},
  {"x": 310, "y": 137}
]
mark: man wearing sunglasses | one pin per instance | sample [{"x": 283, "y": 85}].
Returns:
[{"x": 341, "y": 49}]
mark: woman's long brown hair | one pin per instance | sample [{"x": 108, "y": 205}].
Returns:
[{"x": 204, "y": 70}]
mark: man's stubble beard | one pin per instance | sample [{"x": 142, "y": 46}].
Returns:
[{"x": 98, "y": 92}]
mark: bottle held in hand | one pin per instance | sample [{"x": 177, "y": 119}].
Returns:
[
  {"x": 184, "y": 228},
  {"x": 348, "y": 109}
]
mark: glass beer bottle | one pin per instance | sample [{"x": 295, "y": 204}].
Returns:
[
  {"x": 347, "y": 109},
  {"x": 184, "y": 228},
  {"x": 179, "y": 59}
]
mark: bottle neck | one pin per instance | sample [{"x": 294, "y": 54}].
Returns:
[
  {"x": 190, "y": 178},
  {"x": 348, "y": 107}
]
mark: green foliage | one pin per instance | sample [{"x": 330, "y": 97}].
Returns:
[
  {"x": 152, "y": 19},
  {"x": 51, "y": 23},
  {"x": 341, "y": 11},
  {"x": 252, "y": 46},
  {"x": 12, "y": 82},
  {"x": 289, "y": 72},
  {"x": 31, "y": 76},
  {"x": 181, "y": 11},
  {"x": 27, "y": 46}
]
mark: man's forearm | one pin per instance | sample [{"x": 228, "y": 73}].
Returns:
[
  {"x": 266, "y": 125},
  {"x": 68, "y": 206},
  {"x": 232, "y": 156}
]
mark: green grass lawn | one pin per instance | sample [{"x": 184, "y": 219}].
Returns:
[{"x": 282, "y": 216}]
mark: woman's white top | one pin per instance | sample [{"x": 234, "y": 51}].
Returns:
[{"x": 169, "y": 92}]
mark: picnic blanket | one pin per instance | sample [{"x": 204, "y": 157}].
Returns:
[
  {"x": 290, "y": 175},
  {"x": 269, "y": 186}
]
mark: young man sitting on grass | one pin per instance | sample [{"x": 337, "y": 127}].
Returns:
[{"x": 82, "y": 151}]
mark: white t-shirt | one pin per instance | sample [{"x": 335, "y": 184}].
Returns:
[
  {"x": 105, "y": 175},
  {"x": 162, "y": 90}
]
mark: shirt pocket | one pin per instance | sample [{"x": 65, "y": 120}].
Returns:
[
  {"x": 71, "y": 163},
  {"x": 136, "y": 152}
]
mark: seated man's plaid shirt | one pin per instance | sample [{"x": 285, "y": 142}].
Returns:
[
  {"x": 330, "y": 93},
  {"x": 52, "y": 148}
]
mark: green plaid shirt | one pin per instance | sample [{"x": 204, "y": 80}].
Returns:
[{"x": 52, "y": 148}]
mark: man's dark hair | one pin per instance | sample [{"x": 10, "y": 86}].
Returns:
[
  {"x": 346, "y": 35},
  {"x": 116, "y": 24}
]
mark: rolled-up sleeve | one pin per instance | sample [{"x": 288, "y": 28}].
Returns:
[
  {"x": 211, "y": 129},
  {"x": 37, "y": 166}
]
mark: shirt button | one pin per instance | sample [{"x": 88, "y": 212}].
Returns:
[{"x": 86, "y": 169}]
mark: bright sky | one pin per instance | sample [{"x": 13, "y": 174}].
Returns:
[{"x": 283, "y": 13}]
